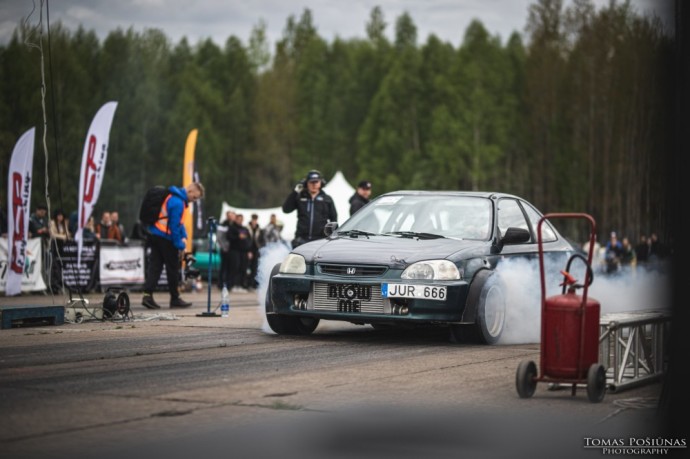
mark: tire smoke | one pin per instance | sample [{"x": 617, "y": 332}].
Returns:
[
  {"x": 632, "y": 290},
  {"x": 269, "y": 255}
]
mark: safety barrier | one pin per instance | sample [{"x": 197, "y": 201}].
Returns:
[{"x": 632, "y": 346}]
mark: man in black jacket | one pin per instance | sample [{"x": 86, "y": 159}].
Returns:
[
  {"x": 361, "y": 196},
  {"x": 314, "y": 208}
]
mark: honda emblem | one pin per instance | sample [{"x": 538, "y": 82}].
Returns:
[{"x": 351, "y": 271}]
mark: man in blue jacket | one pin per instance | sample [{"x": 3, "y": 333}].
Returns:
[{"x": 167, "y": 241}]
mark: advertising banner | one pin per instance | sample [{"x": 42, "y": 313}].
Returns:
[
  {"x": 18, "y": 202},
  {"x": 32, "y": 278},
  {"x": 93, "y": 166},
  {"x": 121, "y": 265},
  {"x": 74, "y": 271}
]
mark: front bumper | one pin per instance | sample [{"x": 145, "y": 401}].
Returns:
[{"x": 322, "y": 297}]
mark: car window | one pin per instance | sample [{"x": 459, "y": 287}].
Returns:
[
  {"x": 510, "y": 215},
  {"x": 459, "y": 217},
  {"x": 547, "y": 232}
]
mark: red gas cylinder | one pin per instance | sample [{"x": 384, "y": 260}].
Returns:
[{"x": 563, "y": 335}]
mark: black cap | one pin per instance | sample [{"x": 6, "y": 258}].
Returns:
[
  {"x": 366, "y": 184},
  {"x": 313, "y": 176}
]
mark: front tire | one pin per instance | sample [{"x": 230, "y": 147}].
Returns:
[
  {"x": 286, "y": 325},
  {"x": 291, "y": 325}
]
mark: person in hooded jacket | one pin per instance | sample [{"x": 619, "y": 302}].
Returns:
[
  {"x": 167, "y": 241},
  {"x": 361, "y": 196},
  {"x": 314, "y": 208}
]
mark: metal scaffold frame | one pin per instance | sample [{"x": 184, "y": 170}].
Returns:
[{"x": 632, "y": 346}]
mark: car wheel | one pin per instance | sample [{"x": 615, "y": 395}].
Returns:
[
  {"x": 286, "y": 325},
  {"x": 487, "y": 298},
  {"x": 491, "y": 313},
  {"x": 525, "y": 379},
  {"x": 290, "y": 325}
]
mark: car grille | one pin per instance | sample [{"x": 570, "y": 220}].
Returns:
[
  {"x": 352, "y": 270},
  {"x": 320, "y": 300}
]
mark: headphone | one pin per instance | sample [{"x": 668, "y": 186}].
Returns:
[{"x": 314, "y": 171}]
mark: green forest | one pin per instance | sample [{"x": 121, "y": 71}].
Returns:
[{"x": 573, "y": 115}]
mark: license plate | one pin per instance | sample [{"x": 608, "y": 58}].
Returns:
[{"x": 425, "y": 292}]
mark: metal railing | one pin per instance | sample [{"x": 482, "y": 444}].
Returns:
[{"x": 632, "y": 346}]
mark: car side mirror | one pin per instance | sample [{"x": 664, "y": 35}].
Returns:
[
  {"x": 515, "y": 236},
  {"x": 330, "y": 228}
]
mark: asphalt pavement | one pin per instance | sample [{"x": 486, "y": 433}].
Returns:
[{"x": 171, "y": 383}]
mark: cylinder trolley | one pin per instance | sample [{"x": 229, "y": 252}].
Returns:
[{"x": 569, "y": 329}]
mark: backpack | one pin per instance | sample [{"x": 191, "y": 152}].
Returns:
[{"x": 151, "y": 204}]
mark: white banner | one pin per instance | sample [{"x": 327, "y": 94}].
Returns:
[
  {"x": 31, "y": 280},
  {"x": 121, "y": 265},
  {"x": 93, "y": 167},
  {"x": 18, "y": 202}
]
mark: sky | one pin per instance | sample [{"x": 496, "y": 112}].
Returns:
[{"x": 219, "y": 19}]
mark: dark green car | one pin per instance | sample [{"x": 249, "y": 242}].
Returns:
[{"x": 411, "y": 257}]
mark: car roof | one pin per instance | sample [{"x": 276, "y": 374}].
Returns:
[{"x": 476, "y": 194}]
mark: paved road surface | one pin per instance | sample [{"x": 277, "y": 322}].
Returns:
[{"x": 176, "y": 385}]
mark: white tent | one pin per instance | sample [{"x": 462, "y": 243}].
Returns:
[{"x": 338, "y": 188}]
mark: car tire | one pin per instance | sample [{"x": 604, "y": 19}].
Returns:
[
  {"x": 286, "y": 325},
  {"x": 488, "y": 292}
]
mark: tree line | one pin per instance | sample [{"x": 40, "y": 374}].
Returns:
[{"x": 575, "y": 117}]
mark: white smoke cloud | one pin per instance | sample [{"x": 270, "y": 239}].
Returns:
[
  {"x": 628, "y": 291},
  {"x": 269, "y": 256}
]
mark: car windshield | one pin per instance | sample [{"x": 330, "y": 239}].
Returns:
[{"x": 457, "y": 217}]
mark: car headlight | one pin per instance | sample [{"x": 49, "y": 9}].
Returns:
[
  {"x": 432, "y": 270},
  {"x": 293, "y": 264}
]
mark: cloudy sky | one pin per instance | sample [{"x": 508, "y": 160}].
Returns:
[{"x": 219, "y": 19}]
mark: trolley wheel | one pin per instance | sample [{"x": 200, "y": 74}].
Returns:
[
  {"x": 525, "y": 378},
  {"x": 596, "y": 383}
]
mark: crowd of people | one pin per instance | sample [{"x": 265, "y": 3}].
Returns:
[
  {"x": 239, "y": 244},
  {"x": 619, "y": 254}
]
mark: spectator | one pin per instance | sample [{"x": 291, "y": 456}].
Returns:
[
  {"x": 613, "y": 252},
  {"x": 89, "y": 232},
  {"x": 103, "y": 226},
  {"x": 627, "y": 255},
  {"x": 256, "y": 235},
  {"x": 314, "y": 208},
  {"x": 271, "y": 232},
  {"x": 116, "y": 230},
  {"x": 240, "y": 244},
  {"x": 224, "y": 277},
  {"x": 3, "y": 222},
  {"x": 361, "y": 196},
  {"x": 642, "y": 250},
  {"x": 58, "y": 226},
  {"x": 39, "y": 225}
]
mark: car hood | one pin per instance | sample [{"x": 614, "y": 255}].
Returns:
[{"x": 385, "y": 249}]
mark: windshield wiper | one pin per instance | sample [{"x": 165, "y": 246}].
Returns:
[
  {"x": 355, "y": 233},
  {"x": 413, "y": 234}
]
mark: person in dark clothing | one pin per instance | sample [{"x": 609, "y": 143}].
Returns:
[
  {"x": 39, "y": 223},
  {"x": 256, "y": 234},
  {"x": 224, "y": 277},
  {"x": 361, "y": 196},
  {"x": 314, "y": 208},
  {"x": 240, "y": 244},
  {"x": 167, "y": 242}
]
